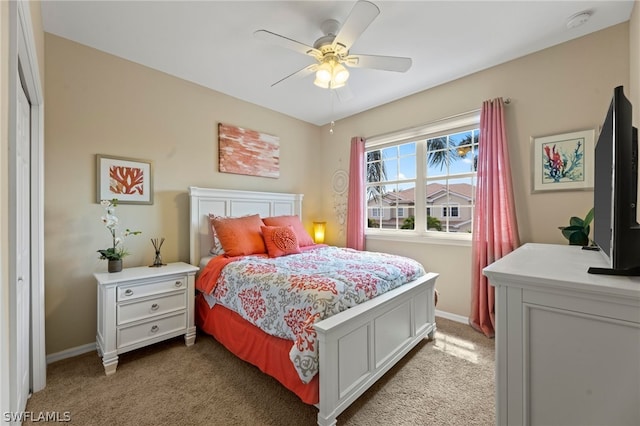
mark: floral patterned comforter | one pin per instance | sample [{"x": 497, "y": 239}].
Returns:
[{"x": 284, "y": 296}]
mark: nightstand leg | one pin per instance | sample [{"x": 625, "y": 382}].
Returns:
[
  {"x": 190, "y": 336},
  {"x": 110, "y": 363}
]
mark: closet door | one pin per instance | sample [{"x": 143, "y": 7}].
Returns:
[{"x": 21, "y": 350}]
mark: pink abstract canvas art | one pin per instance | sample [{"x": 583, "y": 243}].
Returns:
[{"x": 248, "y": 152}]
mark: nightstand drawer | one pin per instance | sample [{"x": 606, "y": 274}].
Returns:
[
  {"x": 158, "y": 287},
  {"x": 151, "y": 329},
  {"x": 128, "y": 312}
]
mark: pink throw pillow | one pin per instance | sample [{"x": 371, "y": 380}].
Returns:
[
  {"x": 280, "y": 240},
  {"x": 304, "y": 239}
]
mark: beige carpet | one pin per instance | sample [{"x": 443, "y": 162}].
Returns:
[{"x": 447, "y": 381}]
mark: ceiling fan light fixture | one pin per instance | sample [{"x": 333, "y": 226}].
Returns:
[
  {"x": 331, "y": 75},
  {"x": 321, "y": 83},
  {"x": 340, "y": 75},
  {"x": 324, "y": 72}
]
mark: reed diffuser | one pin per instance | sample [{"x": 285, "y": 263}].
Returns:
[{"x": 157, "y": 261}]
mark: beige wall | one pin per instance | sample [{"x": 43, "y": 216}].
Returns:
[
  {"x": 100, "y": 104},
  {"x": 561, "y": 89}
]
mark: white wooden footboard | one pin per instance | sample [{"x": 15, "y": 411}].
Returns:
[{"x": 359, "y": 345}]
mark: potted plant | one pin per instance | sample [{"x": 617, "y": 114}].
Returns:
[
  {"x": 117, "y": 251},
  {"x": 578, "y": 230}
]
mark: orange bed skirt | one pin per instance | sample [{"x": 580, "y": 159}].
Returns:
[{"x": 270, "y": 354}]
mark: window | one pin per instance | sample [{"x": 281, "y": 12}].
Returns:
[
  {"x": 454, "y": 211},
  {"x": 424, "y": 179}
]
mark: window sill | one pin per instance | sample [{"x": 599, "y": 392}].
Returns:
[{"x": 435, "y": 238}]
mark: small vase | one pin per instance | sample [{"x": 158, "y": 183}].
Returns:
[
  {"x": 115, "y": 265},
  {"x": 157, "y": 261}
]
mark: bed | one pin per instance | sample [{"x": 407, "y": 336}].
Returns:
[{"x": 355, "y": 347}]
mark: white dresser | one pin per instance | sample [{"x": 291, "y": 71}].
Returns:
[
  {"x": 144, "y": 305},
  {"x": 567, "y": 342}
]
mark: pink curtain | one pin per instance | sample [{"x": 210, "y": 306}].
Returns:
[
  {"x": 495, "y": 231},
  {"x": 355, "y": 213}
]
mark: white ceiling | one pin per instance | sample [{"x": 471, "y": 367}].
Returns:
[{"x": 211, "y": 43}]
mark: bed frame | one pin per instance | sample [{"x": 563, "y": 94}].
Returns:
[{"x": 357, "y": 346}]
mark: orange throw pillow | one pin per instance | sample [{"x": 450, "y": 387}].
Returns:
[
  {"x": 280, "y": 240},
  {"x": 240, "y": 236},
  {"x": 304, "y": 239}
]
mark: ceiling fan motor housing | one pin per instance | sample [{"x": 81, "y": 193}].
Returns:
[
  {"x": 324, "y": 44},
  {"x": 330, "y": 27}
]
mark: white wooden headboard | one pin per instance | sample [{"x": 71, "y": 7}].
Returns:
[{"x": 225, "y": 202}]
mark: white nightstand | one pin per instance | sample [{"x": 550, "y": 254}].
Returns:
[{"x": 140, "y": 306}]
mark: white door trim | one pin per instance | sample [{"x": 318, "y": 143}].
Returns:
[{"x": 23, "y": 56}]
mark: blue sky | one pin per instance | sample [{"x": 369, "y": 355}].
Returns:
[{"x": 400, "y": 162}]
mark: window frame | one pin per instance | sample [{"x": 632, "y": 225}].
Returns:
[{"x": 451, "y": 125}]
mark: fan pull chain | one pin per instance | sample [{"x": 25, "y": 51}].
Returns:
[{"x": 333, "y": 123}]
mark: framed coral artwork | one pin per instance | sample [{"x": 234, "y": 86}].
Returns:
[
  {"x": 129, "y": 180},
  {"x": 563, "y": 162}
]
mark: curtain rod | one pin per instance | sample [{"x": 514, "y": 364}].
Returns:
[{"x": 506, "y": 101}]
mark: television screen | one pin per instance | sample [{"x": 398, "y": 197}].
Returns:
[
  {"x": 603, "y": 186},
  {"x": 616, "y": 229}
]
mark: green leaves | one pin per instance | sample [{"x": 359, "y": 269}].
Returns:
[
  {"x": 578, "y": 230},
  {"x": 113, "y": 253},
  {"x": 110, "y": 254}
]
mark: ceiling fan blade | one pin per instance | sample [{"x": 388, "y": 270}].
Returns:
[
  {"x": 287, "y": 43},
  {"x": 386, "y": 63},
  {"x": 361, "y": 16},
  {"x": 300, "y": 73}
]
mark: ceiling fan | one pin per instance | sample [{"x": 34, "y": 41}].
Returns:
[{"x": 331, "y": 51}]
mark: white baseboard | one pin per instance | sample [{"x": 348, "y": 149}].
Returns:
[
  {"x": 79, "y": 350},
  {"x": 69, "y": 353},
  {"x": 452, "y": 317}
]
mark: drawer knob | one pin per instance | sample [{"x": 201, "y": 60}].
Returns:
[
  {"x": 178, "y": 283},
  {"x": 155, "y": 307},
  {"x": 128, "y": 292},
  {"x": 155, "y": 329}
]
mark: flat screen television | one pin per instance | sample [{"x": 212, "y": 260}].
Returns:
[{"x": 616, "y": 229}]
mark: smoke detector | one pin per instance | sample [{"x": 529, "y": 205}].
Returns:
[{"x": 579, "y": 19}]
